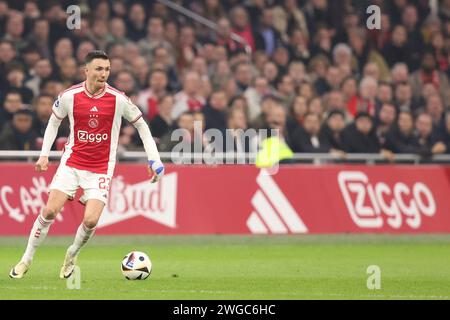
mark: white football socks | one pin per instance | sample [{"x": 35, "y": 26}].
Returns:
[
  {"x": 81, "y": 238},
  {"x": 37, "y": 235}
]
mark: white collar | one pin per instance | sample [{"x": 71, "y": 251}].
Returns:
[{"x": 97, "y": 95}]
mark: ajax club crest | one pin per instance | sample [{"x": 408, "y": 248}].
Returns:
[{"x": 93, "y": 123}]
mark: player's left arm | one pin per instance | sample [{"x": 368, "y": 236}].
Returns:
[{"x": 134, "y": 116}]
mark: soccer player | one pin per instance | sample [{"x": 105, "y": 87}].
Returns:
[{"x": 95, "y": 111}]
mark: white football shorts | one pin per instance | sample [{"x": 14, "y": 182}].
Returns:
[{"x": 94, "y": 185}]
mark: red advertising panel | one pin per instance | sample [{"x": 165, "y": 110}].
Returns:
[{"x": 298, "y": 199}]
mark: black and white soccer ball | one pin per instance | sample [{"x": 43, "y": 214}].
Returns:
[{"x": 136, "y": 266}]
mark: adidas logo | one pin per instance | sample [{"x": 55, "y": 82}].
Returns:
[
  {"x": 94, "y": 109},
  {"x": 272, "y": 211}
]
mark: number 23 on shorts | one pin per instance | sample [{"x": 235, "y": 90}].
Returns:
[{"x": 103, "y": 183}]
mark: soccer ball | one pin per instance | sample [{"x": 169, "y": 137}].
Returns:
[{"x": 136, "y": 266}]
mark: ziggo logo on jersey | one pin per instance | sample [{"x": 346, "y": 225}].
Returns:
[{"x": 85, "y": 136}]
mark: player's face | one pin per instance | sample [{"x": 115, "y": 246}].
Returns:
[{"x": 97, "y": 72}]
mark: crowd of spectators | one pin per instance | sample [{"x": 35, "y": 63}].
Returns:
[{"x": 314, "y": 71}]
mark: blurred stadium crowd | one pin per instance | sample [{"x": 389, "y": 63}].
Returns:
[{"x": 315, "y": 71}]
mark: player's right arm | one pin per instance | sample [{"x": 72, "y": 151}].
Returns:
[{"x": 59, "y": 112}]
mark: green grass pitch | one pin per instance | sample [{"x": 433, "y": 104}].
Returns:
[{"x": 238, "y": 267}]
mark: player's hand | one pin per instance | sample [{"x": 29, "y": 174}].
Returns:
[
  {"x": 155, "y": 170},
  {"x": 42, "y": 164}
]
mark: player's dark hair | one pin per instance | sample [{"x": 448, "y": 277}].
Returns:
[{"x": 96, "y": 54}]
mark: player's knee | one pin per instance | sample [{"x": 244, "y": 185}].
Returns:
[
  {"x": 50, "y": 212},
  {"x": 90, "y": 223}
]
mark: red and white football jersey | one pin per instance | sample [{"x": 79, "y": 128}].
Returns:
[{"x": 94, "y": 126}]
